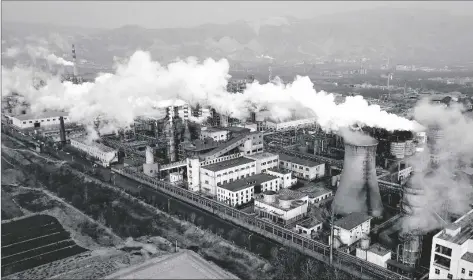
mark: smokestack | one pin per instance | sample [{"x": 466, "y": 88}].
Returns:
[
  {"x": 358, "y": 190},
  {"x": 149, "y": 155},
  {"x": 62, "y": 130},
  {"x": 74, "y": 61}
]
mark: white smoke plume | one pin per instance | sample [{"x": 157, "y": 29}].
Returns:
[
  {"x": 38, "y": 52},
  {"x": 447, "y": 192},
  {"x": 140, "y": 84}
]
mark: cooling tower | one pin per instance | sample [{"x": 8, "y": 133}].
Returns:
[
  {"x": 62, "y": 130},
  {"x": 358, "y": 190}
]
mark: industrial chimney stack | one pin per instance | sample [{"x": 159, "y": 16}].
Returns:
[
  {"x": 358, "y": 190},
  {"x": 62, "y": 130},
  {"x": 76, "y": 74}
]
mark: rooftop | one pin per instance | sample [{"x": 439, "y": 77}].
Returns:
[
  {"x": 228, "y": 164},
  {"x": 314, "y": 189},
  {"x": 280, "y": 170},
  {"x": 468, "y": 257},
  {"x": 181, "y": 265},
  {"x": 262, "y": 155},
  {"x": 300, "y": 161},
  {"x": 42, "y": 115},
  {"x": 100, "y": 146},
  {"x": 378, "y": 250},
  {"x": 466, "y": 232},
  {"x": 213, "y": 129},
  {"x": 309, "y": 223},
  {"x": 292, "y": 194},
  {"x": 244, "y": 183},
  {"x": 352, "y": 220}
]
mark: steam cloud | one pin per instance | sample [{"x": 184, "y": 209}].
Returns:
[
  {"x": 140, "y": 84},
  {"x": 446, "y": 191},
  {"x": 38, "y": 52}
]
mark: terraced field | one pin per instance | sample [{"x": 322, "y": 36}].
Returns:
[{"x": 34, "y": 241}]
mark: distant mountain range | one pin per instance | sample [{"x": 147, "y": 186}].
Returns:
[{"x": 405, "y": 36}]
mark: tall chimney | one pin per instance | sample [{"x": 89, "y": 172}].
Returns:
[
  {"x": 74, "y": 61},
  {"x": 62, "y": 130},
  {"x": 358, "y": 190}
]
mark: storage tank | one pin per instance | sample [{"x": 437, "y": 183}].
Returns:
[
  {"x": 269, "y": 196},
  {"x": 358, "y": 190},
  {"x": 334, "y": 181},
  {"x": 223, "y": 120},
  {"x": 285, "y": 201},
  {"x": 365, "y": 242},
  {"x": 149, "y": 155},
  {"x": 398, "y": 149},
  {"x": 410, "y": 249}
]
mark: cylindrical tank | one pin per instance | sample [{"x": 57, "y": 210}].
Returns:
[
  {"x": 149, "y": 155},
  {"x": 269, "y": 196},
  {"x": 334, "y": 181},
  {"x": 410, "y": 147},
  {"x": 285, "y": 201},
  {"x": 398, "y": 149},
  {"x": 223, "y": 120},
  {"x": 358, "y": 190},
  {"x": 411, "y": 249},
  {"x": 365, "y": 242}
]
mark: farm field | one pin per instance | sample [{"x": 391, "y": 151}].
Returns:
[{"x": 34, "y": 241}]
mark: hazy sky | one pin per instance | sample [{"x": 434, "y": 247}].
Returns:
[{"x": 111, "y": 14}]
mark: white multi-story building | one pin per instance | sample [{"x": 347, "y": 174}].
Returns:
[
  {"x": 243, "y": 190},
  {"x": 302, "y": 168},
  {"x": 224, "y": 172},
  {"x": 452, "y": 251},
  {"x": 264, "y": 161},
  {"x": 253, "y": 144},
  {"x": 238, "y": 192},
  {"x": 285, "y": 176},
  {"x": 319, "y": 194},
  {"x": 351, "y": 228},
  {"x": 283, "y": 208},
  {"x": 104, "y": 154},
  {"x": 39, "y": 120},
  {"x": 215, "y": 133}
]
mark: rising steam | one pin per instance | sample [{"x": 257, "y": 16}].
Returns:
[
  {"x": 139, "y": 84},
  {"x": 447, "y": 192}
]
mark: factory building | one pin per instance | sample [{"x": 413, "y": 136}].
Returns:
[
  {"x": 264, "y": 161},
  {"x": 253, "y": 144},
  {"x": 375, "y": 253},
  {"x": 309, "y": 227},
  {"x": 285, "y": 207},
  {"x": 215, "y": 134},
  {"x": 243, "y": 190},
  {"x": 351, "y": 228},
  {"x": 302, "y": 168},
  {"x": 224, "y": 172},
  {"x": 284, "y": 175},
  {"x": 37, "y": 121},
  {"x": 452, "y": 250},
  {"x": 104, "y": 154}
]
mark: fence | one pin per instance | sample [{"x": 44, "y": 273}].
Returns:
[{"x": 308, "y": 246}]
